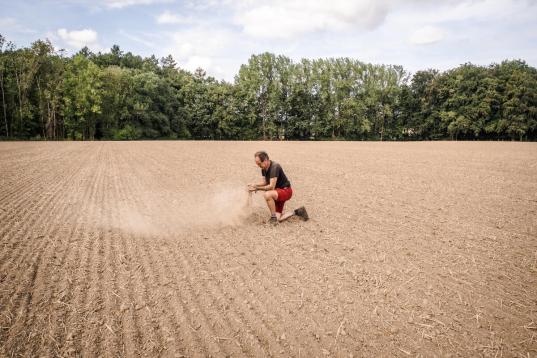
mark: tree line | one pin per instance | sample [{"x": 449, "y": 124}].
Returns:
[{"x": 115, "y": 95}]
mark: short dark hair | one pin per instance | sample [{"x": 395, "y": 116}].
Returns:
[{"x": 262, "y": 155}]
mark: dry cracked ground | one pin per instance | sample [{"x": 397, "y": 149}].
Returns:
[{"x": 150, "y": 249}]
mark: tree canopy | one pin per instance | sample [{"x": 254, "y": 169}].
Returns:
[{"x": 116, "y": 95}]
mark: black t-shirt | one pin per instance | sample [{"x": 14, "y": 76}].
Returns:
[{"x": 275, "y": 171}]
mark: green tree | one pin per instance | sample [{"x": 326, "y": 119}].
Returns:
[
  {"x": 82, "y": 98},
  {"x": 2, "y": 91},
  {"x": 518, "y": 109}
]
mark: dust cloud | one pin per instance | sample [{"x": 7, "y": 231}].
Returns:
[{"x": 160, "y": 211}]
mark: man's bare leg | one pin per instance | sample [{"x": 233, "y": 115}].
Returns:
[
  {"x": 282, "y": 217},
  {"x": 270, "y": 197}
]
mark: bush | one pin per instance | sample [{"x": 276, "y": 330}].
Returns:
[{"x": 128, "y": 133}]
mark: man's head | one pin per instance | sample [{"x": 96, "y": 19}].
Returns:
[{"x": 262, "y": 159}]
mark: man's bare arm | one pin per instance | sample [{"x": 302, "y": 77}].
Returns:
[
  {"x": 269, "y": 186},
  {"x": 256, "y": 187}
]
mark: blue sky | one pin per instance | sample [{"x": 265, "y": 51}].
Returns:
[{"x": 220, "y": 35}]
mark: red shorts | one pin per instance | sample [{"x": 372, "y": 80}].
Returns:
[{"x": 283, "y": 195}]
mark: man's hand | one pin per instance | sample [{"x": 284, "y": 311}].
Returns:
[{"x": 251, "y": 187}]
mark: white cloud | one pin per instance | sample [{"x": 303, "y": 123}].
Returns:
[
  {"x": 201, "y": 5},
  {"x": 200, "y": 42},
  {"x": 194, "y": 62},
  {"x": 138, "y": 39},
  {"x": 169, "y": 18},
  {"x": 79, "y": 38},
  {"x": 213, "y": 49},
  {"x": 119, "y": 4},
  {"x": 427, "y": 35},
  {"x": 288, "y": 19},
  {"x": 477, "y": 10},
  {"x": 9, "y": 24},
  {"x": 220, "y": 35}
]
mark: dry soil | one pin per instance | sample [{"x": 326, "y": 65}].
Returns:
[{"x": 149, "y": 249}]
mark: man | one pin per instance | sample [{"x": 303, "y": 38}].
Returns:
[{"x": 277, "y": 189}]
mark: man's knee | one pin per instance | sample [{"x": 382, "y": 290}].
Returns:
[{"x": 271, "y": 194}]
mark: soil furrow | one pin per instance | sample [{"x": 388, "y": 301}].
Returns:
[
  {"x": 146, "y": 248},
  {"x": 263, "y": 288},
  {"x": 213, "y": 343},
  {"x": 30, "y": 251},
  {"x": 413, "y": 249},
  {"x": 152, "y": 340},
  {"x": 262, "y": 335},
  {"x": 60, "y": 285},
  {"x": 29, "y": 218},
  {"x": 210, "y": 313},
  {"x": 31, "y": 182}
]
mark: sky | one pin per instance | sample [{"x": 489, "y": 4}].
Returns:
[{"x": 220, "y": 35}]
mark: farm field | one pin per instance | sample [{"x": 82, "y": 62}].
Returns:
[{"x": 149, "y": 249}]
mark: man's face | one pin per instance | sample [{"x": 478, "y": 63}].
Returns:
[{"x": 261, "y": 164}]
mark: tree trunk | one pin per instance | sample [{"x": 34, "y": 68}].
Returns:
[
  {"x": 55, "y": 124},
  {"x": 20, "y": 101},
  {"x": 263, "y": 122},
  {"x": 334, "y": 124},
  {"x": 48, "y": 120},
  {"x": 382, "y": 131},
  {"x": 4, "y": 102},
  {"x": 43, "y": 126}
]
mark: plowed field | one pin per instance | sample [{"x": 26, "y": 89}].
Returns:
[{"x": 149, "y": 249}]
